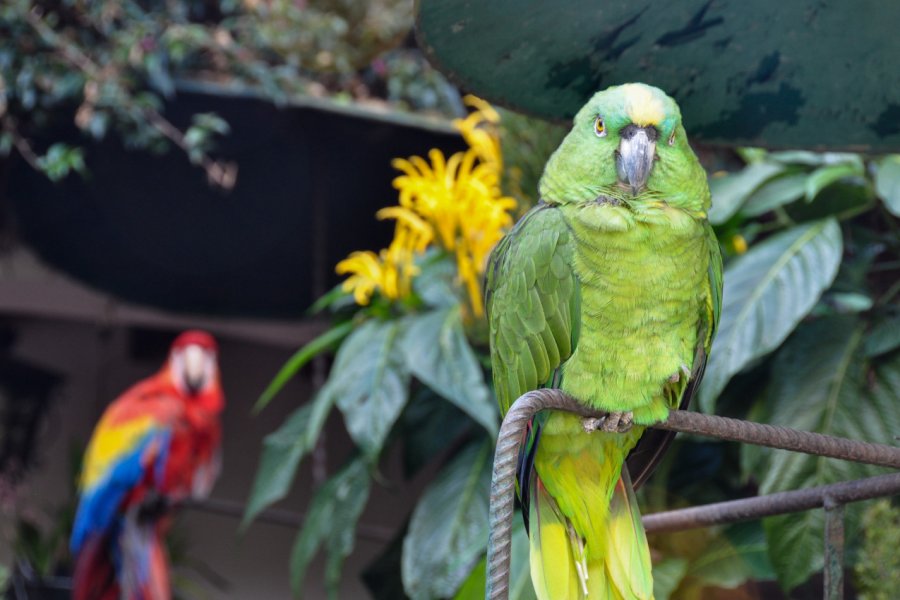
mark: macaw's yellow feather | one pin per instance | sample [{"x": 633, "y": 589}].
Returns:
[{"x": 110, "y": 443}]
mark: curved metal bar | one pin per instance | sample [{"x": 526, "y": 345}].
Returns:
[{"x": 512, "y": 431}]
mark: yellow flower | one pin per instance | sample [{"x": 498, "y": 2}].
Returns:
[
  {"x": 455, "y": 203},
  {"x": 739, "y": 244}
]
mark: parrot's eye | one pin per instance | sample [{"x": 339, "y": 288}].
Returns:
[
  {"x": 599, "y": 127},
  {"x": 672, "y": 139}
]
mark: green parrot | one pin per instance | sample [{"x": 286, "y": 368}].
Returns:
[{"x": 610, "y": 290}]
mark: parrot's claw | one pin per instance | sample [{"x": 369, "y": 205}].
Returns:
[
  {"x": 613, "y": 422},
  {"x": 676, "y": 376}
]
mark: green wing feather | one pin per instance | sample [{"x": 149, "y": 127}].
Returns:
[
  {"x": 654, "y": 443},
  {"x": 532, "y": 300}
]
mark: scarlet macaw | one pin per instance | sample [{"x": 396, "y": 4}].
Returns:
[{"x": 155, "y": 445}]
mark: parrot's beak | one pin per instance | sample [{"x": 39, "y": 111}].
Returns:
[
  {"x": 194, "y": 368},
  {"x": 635, "y": 156}
]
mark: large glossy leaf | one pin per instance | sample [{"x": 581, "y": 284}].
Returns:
[
  {"x": 667, "y": 575},
  {"x": 841, "y": 199},
  {"x": 825, "y": 176},
  {"x": 296, "y": 362},
  {"x": 331, "y": 521},
  {"x": 449, "y": 527},
  {"x": 429, "y": 425},
  {"x": 370, "y": 382},
  {"x": 822, "y": 382},
  {"x": 733, "y": 557},
  {"x": 774, "y": 193},
  {"x": 520, "y": 586},
  {"x": 883, "y": 337},
  {"x": 730, "y": 191},
  {"x": 435, "y": 282},
  {"x": 767, "y": 292},
  {"x": 281, "y": 454},
  {"x": 887, "y": 183},
  {"x": 438, "y": 354}
]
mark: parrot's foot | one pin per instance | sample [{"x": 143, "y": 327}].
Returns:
[{"x": 613, "y": 422}]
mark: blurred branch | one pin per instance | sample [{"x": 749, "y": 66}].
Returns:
[{"x": 219, "y": 173}]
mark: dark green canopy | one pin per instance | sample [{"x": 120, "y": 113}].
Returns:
[{"x": 798, "y": 73}]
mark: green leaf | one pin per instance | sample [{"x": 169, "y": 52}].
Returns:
[
  {"x": 333, "y": 298},
  {"x": 282, "y": 451},
  {"x": 370, "y": 382},
  {"x": 331, "y": 520},
  {"x": 849, "y": 302},
  {"x": 767, "y": 292},
  {"x": 667, "y": 575},
  {"x": 821, "y": 382},
  {"x": 825, "y": 176},
  {"x": 774, "y": 193},
  {"x": 439, "y": 355},
  {"x": 520, "y": 586},
  {"x": 734, "y": 557},
  {"x": 302, "y": 356},
  {"x": 883, "y": 337},
  {"x": 449, "y": 526},
  {"x": 430, "y": 425},
  {"x": 730, "y": 191},
  {"x": 435, "y": 283},
  {"x": 887, "y": 183}
]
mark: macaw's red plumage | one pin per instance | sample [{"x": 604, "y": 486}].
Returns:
[{"x": 155, "y": 445}]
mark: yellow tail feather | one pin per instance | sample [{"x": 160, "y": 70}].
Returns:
[{"x": 564, "y": 568}]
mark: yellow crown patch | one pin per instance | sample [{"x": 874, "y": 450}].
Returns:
[{"x": 642, "y": 105}]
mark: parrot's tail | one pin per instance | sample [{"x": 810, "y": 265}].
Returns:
[
  {"x": 144, "y": 573},
  {"x": 95, "y": 576},
  {"x": 587, "y": 538}
]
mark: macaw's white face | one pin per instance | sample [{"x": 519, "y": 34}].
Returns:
[{"x": 194, "y": 368}]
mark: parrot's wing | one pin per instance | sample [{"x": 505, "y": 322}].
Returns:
[
  {"x": 128, "y": 447},
  {"x": 532, "y": 298},
  {"x": 653, "y": 444}
]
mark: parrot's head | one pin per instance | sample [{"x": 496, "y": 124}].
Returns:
[
  {"x": 193, "y": 362},
  {"x": 627, "y": 145}
]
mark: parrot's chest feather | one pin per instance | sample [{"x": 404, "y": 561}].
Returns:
[{"x": 643, "y": 279}]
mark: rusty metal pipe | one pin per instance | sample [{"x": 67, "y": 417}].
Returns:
[{"x": 747, "y": 509}]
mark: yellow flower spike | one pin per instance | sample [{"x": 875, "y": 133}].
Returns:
[
  {"x": 482, "y": 108},
  {"x": 454, "y": 202}
]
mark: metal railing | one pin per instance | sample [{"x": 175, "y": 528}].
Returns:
[{"x": 830, "y": 497}]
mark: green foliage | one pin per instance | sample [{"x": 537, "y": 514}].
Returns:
[
  {"x": 520, "y": 587},
  {"x": 370, "y": 382},
  {"x": 282, "y": 451},
  {"x": 811, "y": 308},
  {"x": 878, "y": 567},
  {"x": 324, "y": 342},
  {"x": 446, "y": 534},
  {"x": 439, "y": 355},
  {"x": 111, "y": 66},
  {"x": 331, "y": 522},
  {"x": 766, "y": 293},
  {"x": 887, "y": 183},
  {"x": 822, "y": 382}
]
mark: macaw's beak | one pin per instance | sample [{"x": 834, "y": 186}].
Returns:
[
  {"x": 194, "y": 368},
  {"x": 635, "y": 156}
]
